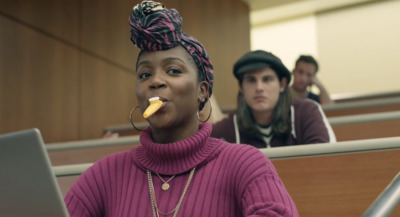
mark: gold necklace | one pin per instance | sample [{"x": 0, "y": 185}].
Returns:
[
  {"x": 154, "y": 207},
  {"x": 165, "y": 186}
]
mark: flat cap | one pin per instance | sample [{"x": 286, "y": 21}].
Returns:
[{"x": 259, "y": 59}]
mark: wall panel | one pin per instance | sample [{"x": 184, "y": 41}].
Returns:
[
  {"x": 223, "y": 27},
  {"x": 38, "y": 80},
  {"x": 105, "y": 32},
  {"x": 59, "y": 19},
  {"x": 107, "y": 96}
]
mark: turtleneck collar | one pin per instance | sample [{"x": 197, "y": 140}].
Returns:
[{"x": 177, "y": 157}]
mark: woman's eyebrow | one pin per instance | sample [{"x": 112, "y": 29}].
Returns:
[
  {"x": 169, "y": 59},
  {"x": 142, "y": 63},
  {"x": 173, "y": 59}
]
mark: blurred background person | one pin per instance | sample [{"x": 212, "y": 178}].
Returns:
[{"x": 304, "y": 76}]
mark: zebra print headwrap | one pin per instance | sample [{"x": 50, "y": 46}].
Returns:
[{"x": 153, "y": 27}]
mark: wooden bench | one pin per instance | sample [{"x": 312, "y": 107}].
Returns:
[
  {"x": 349, "y": 127},
  {"x": 353, "y": 97},
  {"x": 343, "y": 184},
  {"x": 362, "y": 107},
  {"x": 366, "y": 126},
  {"x": 87, "y": 151}
]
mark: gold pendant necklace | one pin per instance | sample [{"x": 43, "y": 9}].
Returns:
[
  {"x": 165, "y": 185},
  {"x": 154, "y": 207}
]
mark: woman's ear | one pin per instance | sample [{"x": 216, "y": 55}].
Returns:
[
  {"x": 283, "y": 84},
  {"x": 203, "y": 90}
]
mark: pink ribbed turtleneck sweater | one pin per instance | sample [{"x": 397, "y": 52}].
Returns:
[{"x": 230, "y": 180}]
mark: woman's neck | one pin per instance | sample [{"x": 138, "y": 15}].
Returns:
[
  {"x": 174, "y": 134},
  {"x": 176, "y": 157}
]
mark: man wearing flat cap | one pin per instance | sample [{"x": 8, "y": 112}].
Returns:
[{"x": 266, "y": 115}]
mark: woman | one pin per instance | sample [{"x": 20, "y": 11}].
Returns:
[
  {"x": 266, "y": 115},
  {"x": 178, "y": 170}
]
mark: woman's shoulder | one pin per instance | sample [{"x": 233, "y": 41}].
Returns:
[
  {"x": 111, "y": 161},
  {"x": 121, "y": 155}
]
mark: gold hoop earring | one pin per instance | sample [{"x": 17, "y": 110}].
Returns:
[
  {"x": 130, "y": 118},
  {"x": 209, "y": 115}
]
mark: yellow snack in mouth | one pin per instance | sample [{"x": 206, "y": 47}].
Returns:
[{"x": 155, "y": 104}]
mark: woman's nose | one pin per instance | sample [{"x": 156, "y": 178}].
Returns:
[{"x": 157, "y": 81}]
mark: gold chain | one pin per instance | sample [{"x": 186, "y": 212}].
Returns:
[{"x": 154, "y": 207}]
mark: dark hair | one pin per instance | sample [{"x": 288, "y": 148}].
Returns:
[
  {"x": 308, "y": 59},
  {"x": 280, "y": 123}
]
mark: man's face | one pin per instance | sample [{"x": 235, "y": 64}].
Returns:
[
  {"x": 303, "y": 74},
  {"x": 261, "y": 89}
]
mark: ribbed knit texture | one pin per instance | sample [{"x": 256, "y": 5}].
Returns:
[{"x": 230, "y": 180}]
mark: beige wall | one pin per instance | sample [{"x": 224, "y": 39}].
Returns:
[
  {"x": 67, "y": 67},
  {"x": 287, "y": 39},
  {"x": 357, "y": 46}
]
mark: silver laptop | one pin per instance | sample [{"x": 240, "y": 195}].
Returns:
[{"x": 28, "y": 186}]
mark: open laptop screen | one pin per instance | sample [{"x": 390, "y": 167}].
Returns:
[{"x": 28, "y": 186}]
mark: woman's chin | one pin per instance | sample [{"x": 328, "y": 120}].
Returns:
[{"x": 157, "y": 122}]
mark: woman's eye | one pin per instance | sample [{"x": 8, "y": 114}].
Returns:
[
  {"x": 174, "y": 71},
  {"x": 144, "y": 75}
]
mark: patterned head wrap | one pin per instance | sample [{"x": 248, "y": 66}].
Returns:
[{"x": 155, "y": 28}]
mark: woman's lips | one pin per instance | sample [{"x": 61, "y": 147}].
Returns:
[
  {"x": 160, "y": 98},
  {"x": 163, "y": 105}
]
